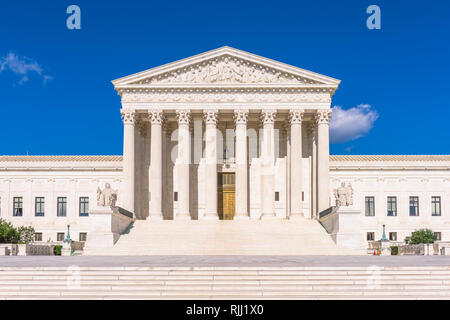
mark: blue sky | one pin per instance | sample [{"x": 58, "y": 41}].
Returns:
[{"x": 57, "y": 98}]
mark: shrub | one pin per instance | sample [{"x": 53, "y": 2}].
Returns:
[
  {"x": 57, "y": 250},
  {"x": 8, "y": 233},
  {"x": 394, "y": 250},
  {"x": 421, "y": 236}
]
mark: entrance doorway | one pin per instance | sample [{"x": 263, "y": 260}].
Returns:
[{"x": 226, "y": 195}]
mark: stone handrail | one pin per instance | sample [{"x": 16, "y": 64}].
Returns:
[
  {"x": 124, "y": 212},
  {"x": 326, "y": 212}
]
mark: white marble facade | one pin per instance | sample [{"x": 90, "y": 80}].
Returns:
[{"x": 226, "y": 111}]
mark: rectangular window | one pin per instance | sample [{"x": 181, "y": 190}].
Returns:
[
  {"x": 83, "y": 236},
  {"x": 438, "y": 236},
  {"x": 413, "y": 206},
  {"x": 38, "y": 236},
  {"x": 392, "y": 206},
  {"x": 60, "y": 236},
  {"x": 84, "y": 206},
  {"x": 18, "y": 206},
  {"x": 62, "y": 207},
  {"x": 370, "y": 206},
  {"x": 175, "y": 196},
  {"x": 39, "y": 206},
  {"x": 393, "y": 236},
  {"x": 277, "y": 196},
  {"x": 370, "y": 236},
  {"x": 435, "y": 206}
]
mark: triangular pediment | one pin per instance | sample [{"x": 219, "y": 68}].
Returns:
[{"x": 225, "y": 66}]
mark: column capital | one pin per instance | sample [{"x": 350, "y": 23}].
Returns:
[
  {"x": 296, "y": 116},
  {"x": 240, "y": 116},
  {"x": 323, "y": 116},
  {"x": 156, "y": 116},
  {"x": 268, "y": 116},
  {"x": 128, "y": 116},
  {"x": 184, "y": 116},
  {"x": 211, "y": 116}
]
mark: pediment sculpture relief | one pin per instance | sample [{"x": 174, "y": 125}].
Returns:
[
  {"x": 106, "y": 197},
  {"x": 226, "y": 70}
]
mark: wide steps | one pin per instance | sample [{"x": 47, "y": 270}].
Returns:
[
  {"x": 218, "y": 237},
  {"x": 205, "y": 283}
]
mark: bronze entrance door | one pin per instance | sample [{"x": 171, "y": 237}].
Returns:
[{"x": 226, "y": 195}]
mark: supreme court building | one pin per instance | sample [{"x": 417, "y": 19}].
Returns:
[{"x": 228, "y": 136}]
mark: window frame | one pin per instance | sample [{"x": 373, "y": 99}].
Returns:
[
  {"x": 58, "y": 234},
  {"x": 41, "y": 204},
  {"x": 35, "y": 236},
  {"x": 83, "y": 205},
  {"x": 415, "y": 205},
  {"x": 391, "y": 234},
  {"x": 372, "y": 236},
  {"x": 63, "y": 202},
  {"x": 367, "y": 206},
  {"x": 433, "y": 207},
  {"x": 389, "y": 202},
  {"x": 19, "y": 202},
  {"x": 85, "y": 236},
  {"x": 438, "y": 236}
]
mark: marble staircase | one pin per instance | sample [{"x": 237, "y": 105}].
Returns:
[
  {"x": 231, "y": 237},
  {"x": 206, "y": 283}
]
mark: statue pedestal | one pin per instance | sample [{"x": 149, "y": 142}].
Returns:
[
  {"x": 107, "y": 226},
  {"x": 66, "y": 248},
  {"x": 385, "y": 247},
  {"x": 343, "y": 226}
]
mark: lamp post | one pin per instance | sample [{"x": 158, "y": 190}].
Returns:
[
  {"x": 383, "y": 237},
  {"x": 67, "y": 239}
]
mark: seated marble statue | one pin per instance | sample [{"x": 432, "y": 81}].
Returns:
[
  {"x": 344, "y": 195},
  {"x": 106, "y": 197}
]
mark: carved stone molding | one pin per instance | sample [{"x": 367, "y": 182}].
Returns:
[
  {"x": 240, "y": 116},
  {"x": 323, "y": 116},
  {"x": 156, "y": 117},
  {"x": 211, "y": 116},
  {"x": 296, "y": 116},
  {"x": 128, "y": 116},
  {"x": 227, "y": 95},
  {"x": 183, "y": 116},
  {"x": 268, "y": 116}
]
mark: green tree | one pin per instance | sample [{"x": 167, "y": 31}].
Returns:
[
  {"x": 421, "y": 236},
  {"x": 7, "y": 232}
]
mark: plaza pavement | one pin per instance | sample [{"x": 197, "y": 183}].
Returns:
[{"x": 225, "y": 261}]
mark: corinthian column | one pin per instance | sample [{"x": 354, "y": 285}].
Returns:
[
  {"x": 156, "y": 118},
  {"x": 211, "y": 118},
  {"x": 129, "y": 120},
  {"x": 240, "y": 119},
  {"x": 323, "y": 118},
  {"x": 295, "y": 119},
  {"x": 184, "y": 157},
  {"x": 267, "y": 166}
]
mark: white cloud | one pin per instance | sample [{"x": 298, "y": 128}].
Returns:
[
  {"x": 22, "y": 66},
  {"x": 351, "y": 124}
]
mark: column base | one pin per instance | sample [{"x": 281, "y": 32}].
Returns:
[
  {"x": 241, "y": 217},
  {"x": 155, "y": 217},
  {"x": 268, "y": 216},
  {"x": 210, "y": 216},
  {"x": 183, "y": 216}
]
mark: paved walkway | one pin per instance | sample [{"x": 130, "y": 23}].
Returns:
[{"x": 225, "y": 261}]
